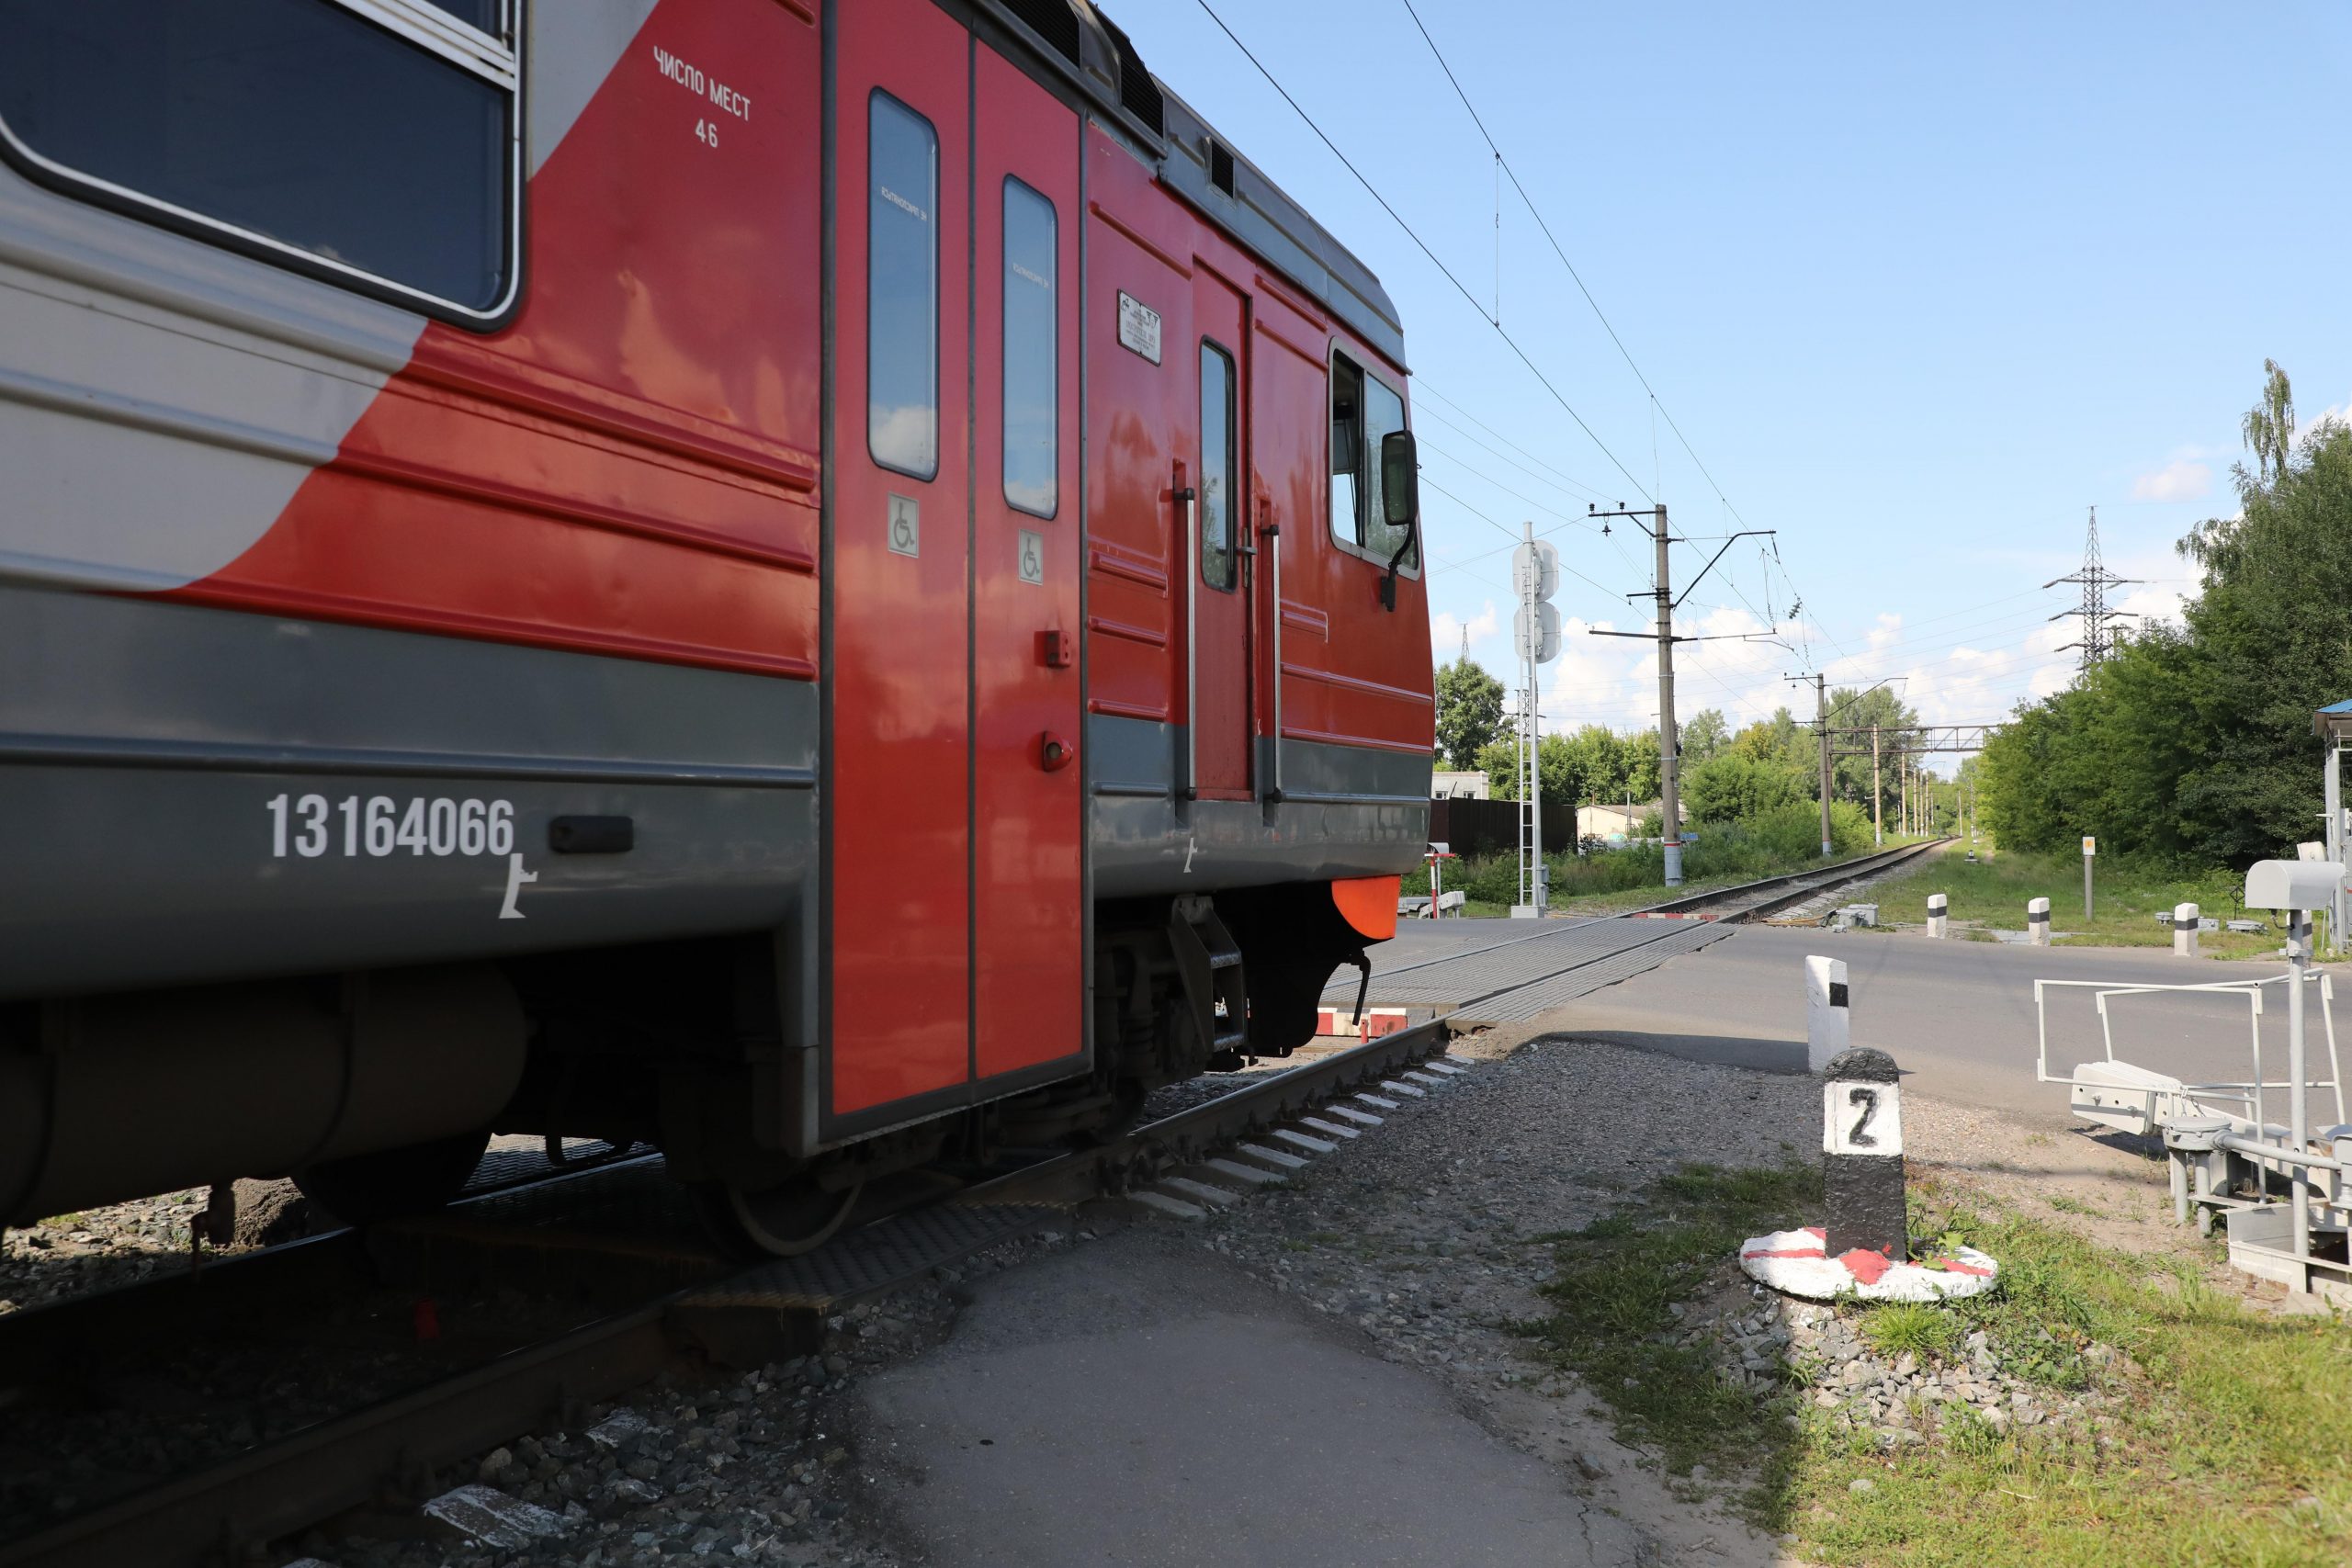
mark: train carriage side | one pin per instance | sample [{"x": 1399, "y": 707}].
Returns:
[{"x": 691, "y": 677}]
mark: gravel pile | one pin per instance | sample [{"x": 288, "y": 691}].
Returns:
[{"x": 1902, "y": 1400}]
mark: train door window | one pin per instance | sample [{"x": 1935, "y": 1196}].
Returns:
[
  {"x": 902, "y": 289},
  {"x": 1032, "y": 419},
  {"x": 375, "y": 142},
  {"x": 1219, "y": 465},
  {"x": 1384, "y": 413},
  {"x": 1347, "y": 448}
]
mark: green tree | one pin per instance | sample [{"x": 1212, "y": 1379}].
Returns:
[
  {"x": 1704, "y": 734},
  {"x": 1851, "y": 713},
  {"x": 1555, "y": 769},
  {"x": 1469, "y": 711},
  {"x": 2198, "y": 743},
  {"x": 2269, "y": 427},
  {"x": 1734, "y": 786}
]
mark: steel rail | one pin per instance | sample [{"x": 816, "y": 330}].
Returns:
[
  {"x": 1817, "y": 879},
  {"x": 276, "y": 1489}
]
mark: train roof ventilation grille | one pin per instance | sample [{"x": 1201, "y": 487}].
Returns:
[
  {"x": 1051, "y": 20},
  {"x": 1137, "y": 92},
  {"x": 1221, "y": 166}
]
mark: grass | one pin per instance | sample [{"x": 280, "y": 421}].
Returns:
[
  {"x": 1612, "y": 1320},
  {"x": 1717, "y": 855},
  {"x": 2229, "y": 1435},
  {"x": 2127, "y": 895},
  {"x": 1910, "y": 1328}
]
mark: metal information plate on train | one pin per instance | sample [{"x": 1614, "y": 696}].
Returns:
[
  {"x": 1139, "y": 326},
  {"x": 906, "y": 525}
]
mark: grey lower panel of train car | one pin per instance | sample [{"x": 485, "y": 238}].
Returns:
[
  {"x": 1345, "y": 811},
  {"x": 193, "y": 794}
]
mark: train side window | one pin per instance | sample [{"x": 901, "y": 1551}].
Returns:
[
  {"x": 1032, "y": 417},
  {"x": 376, "y": 144},
  {"x": 1347, "y": 449},
  {"x": 1219, "y": 463},
  {"x": 902, "y": 289}
]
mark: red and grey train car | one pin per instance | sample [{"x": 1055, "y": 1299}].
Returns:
[{"x": 817, "y": 583}]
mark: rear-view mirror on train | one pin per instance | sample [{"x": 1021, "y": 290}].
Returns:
[
  {"x": 1401, "y": 502},
  {"x": 1400, "y": 479}
]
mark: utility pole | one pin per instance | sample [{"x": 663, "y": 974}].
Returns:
[
  {"x": 1666, "y": 747},
  {"x": 1662, "y": 589},
  {"x": 1877, "y": 793},
  {"x": 1821, "y": 722}
]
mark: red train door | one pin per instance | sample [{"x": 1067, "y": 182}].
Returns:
[
  {"x": 1028, "y": 898},
  {"x": 898, "y": 567},
  {"x": 1220, "y": 582}
]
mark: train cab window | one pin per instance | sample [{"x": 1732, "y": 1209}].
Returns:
[
  {"x": 1347, "y": 449},
  {"x": 1364, "y": 410},
  {"x": 1219, "y": 463},
  {"x": 902, "y": 289},
  {"x": 377, "y": 144},
  {"x": 1032, "y": 423}
]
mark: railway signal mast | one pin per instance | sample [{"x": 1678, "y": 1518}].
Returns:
[{"x": 1535, "y": 573}]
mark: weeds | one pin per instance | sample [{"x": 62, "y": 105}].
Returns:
[
  {"x": 1912, "y": 1328},
  {"x": 1619, "y": 1277},
  {"x": 2226, "y": 1435}
]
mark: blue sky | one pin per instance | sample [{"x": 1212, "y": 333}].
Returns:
[{"x": 1920, "y": 285}]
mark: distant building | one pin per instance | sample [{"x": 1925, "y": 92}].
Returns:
[
  {"x": 1613, "y": 821},
  {"x": 1460, "y": 786}
]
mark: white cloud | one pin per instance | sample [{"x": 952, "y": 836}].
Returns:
[
  {"x": 1446, "y": 629},
  {"x": 2181, "y": 479}
]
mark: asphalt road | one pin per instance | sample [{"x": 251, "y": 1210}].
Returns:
[
  {"x": 1140, "y": 1403},
  {"x": 1959, "y": 1017}
]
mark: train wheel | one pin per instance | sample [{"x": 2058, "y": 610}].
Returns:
[
  {"x": 782, "y": 1221},
  {"x": 414, "y": 1180}
]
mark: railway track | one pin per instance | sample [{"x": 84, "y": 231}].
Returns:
[
  {"x": 1754, "y": 900},
  {"x": 689, "y": 1310}
]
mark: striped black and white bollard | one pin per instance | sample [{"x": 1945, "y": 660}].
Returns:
[
  {"x": 1861, "y": 1148},
  {"x": 2037, "y": 920},
  {"x": 1937, "y": 905},
  {"x": 1828, "y": 1027},
  {"x": 2183, "y": 931}
]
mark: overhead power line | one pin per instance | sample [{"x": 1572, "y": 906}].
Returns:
[
  {"x": 1656, "y": 402},
  {"x": 1410, "y": 233}
]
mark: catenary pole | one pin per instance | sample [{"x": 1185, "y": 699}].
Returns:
[
  {"x": 1821, "y": 711},
  {"x": 1666, "y": 747},
  {"x": 1877, "y": 793}
]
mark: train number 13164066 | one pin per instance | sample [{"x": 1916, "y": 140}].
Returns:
[{"x": 311, "y": 825}]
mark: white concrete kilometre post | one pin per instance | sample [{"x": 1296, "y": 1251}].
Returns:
[
  {"x": 1862, "y": 1147},
  {"x": 2183, "y": 931},
  {"x": 1939, "y": 906},
  {"x": 2037, "y": 920},
  {"x": 1828, "y": 1024}
]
